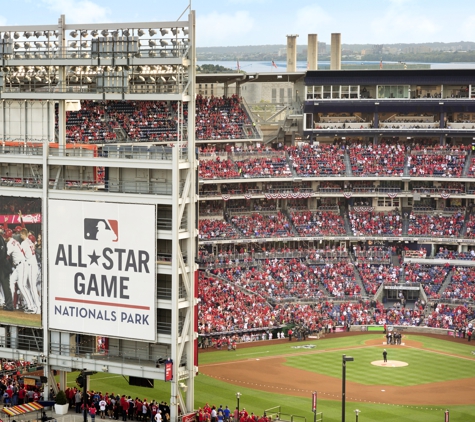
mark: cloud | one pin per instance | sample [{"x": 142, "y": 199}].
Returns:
[
  {"x": 79, "y": 11},
  {"x": 402, "y": 25},
  {"x": 466, "y": 28},
  {"x": 221, "y": 29}
]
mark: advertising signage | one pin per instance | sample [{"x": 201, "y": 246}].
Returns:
[{"x": 102, "y": 269}]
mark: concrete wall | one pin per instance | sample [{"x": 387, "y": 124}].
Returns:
[
  {"x": 312, "y": 53},
  {"x": 335, "y": 56},
  {"x": 27, "y": 120},
  {"x": 292, "y": 53}
]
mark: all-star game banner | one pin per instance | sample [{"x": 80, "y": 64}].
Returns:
[{"x": 102, "y": 269}]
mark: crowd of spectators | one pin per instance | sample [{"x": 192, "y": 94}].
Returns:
[
  {"x": 216, "y": 229},
  {"x": 226, "y": 307},
  {"x": 446, "y": 254},
  {"x": 273, "y": 224},
  {"x": 441, "y": 161},
  {"x": 218, "y": 169},
  {"x": 377, "y": 160},
  {"x": 435, "y": 225},
  {"x": 88, "y": 125},
  {"x": 272, "y": 166},
  {"x": 445, "y": 316},
  {"x": 220, "y": 118},
  {"x": 462, "y": 285},
  {"x": 375, "y": 223},
  {"x": 375, "y": 275},
  {"x": 317, "y": 160},
  {"x": 320, "y": 223},
  {"x": 430, "y": 276}
]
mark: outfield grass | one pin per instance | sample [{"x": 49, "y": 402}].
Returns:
[{"x": 428, "y": 366}]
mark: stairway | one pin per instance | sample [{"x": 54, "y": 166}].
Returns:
[
  {"x": 446, "y": 282},
  {"x": 348, "y": 171},
  {"x": 358, "y": 279},
  {"x": 466, "y": 167}
]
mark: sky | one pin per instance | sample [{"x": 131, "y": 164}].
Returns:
[{"x": 260, "y": 22}]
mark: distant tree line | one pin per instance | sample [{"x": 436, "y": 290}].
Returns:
[{"x": 212, "y": 68}]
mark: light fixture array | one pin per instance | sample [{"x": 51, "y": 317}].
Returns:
[{"x": 160, "y": 42}]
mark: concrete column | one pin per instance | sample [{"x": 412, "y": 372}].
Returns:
[
  {"x": 292, "y": 53},
  {"x": 335, "y": 57},
  {"x": 312, "y": 52}
]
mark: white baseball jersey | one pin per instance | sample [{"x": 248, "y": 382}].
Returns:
[{"x": 15, "y": 251}]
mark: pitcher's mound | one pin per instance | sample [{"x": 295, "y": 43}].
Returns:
[{"x": 389, "y": 363}]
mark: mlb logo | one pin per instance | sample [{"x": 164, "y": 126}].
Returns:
[{"x": 101, "y": 229}]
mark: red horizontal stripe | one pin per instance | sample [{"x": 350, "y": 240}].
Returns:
[{"x": 96, "y": 302}]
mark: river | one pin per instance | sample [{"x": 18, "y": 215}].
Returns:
[{"x": 281, "y": 66}]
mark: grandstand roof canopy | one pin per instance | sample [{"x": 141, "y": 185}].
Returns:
[
  {"x": 221, "y": 78},
  {"x": 385, "y": 77}
]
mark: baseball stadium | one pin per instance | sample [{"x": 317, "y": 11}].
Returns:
[{"x": 286, "y": 245}]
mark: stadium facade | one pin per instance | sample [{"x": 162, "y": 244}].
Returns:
[
  {"x": 358, "y": 164},
  {"x": 105, "y": 220}
]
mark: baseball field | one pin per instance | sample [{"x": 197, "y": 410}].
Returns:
[{"x": 423, "y": 377}]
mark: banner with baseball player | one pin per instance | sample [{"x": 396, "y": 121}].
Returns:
[
  {"x": 20, "y": 261},
  {"x": 102, "y": 269}
]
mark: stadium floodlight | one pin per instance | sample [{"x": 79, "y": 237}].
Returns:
[
  {"x": 125, "y": 32},
  {"x": 38, "y": 34},
  {"x": 141, "y": 78},
  {"x": 84, "y": 44},
  {"x": 47, "y": 34},
  {"x": 73, "y": 44},
  {"x": 38, "y": 44},
  {"x": 152, "y": 53},
  {"x": 27, "y": 34},
  {"x": 118, "y": 68},
  {"x": 37, "y": 78},
  {"x": 84, "y": 33},
  {"x": 104, "y": 32},
  {"x": 175, "y": 31},
  {"x": 151, "y": 79},
  {"x": 16, "y": 46},
  {"x": 74, "y": 55},
  {"x": 115, "y": 33},
  {"x": 94, "y": 33},
  {"x": 163, "y": 43},
  {"x": 74, "y": 33},
  {"x": 185, "y": 31},
  {"x": 74, "y": 78},
  {"x": 152, "y": 32},
  {"x": 140, "y": 32},
  {"x": 152, "y": 43},
  {"x": 6, "y": 35},
  {"x": 27, "y": 45},
  {"x": 163, "y": 53},
  {"x": 16, "y": 35},
  {"x": 84, "y": 55},
  {"x": 163, "y": 31}
]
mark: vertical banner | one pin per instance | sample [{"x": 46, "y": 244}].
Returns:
[
  {"x": 102, "y": 269},
  {"x": 169, "y": 370},
  {"x": 314, "y": 401},
  {"x": 21, "y": 247}
]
